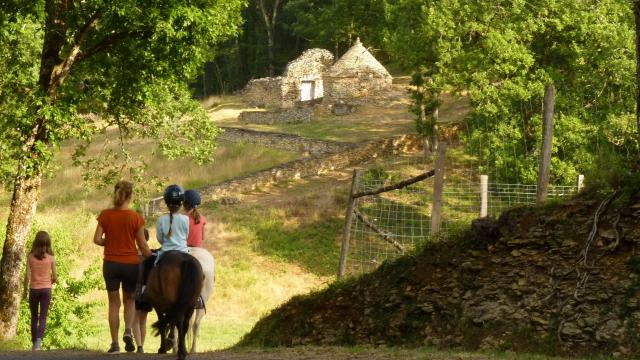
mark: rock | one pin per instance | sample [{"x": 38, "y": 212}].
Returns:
[
  {"x": 609, "y": 330},
  {"x": 570, "y": 329},
  {"x": 341, "y": 109},
  {"x": 229, "y": 200}
]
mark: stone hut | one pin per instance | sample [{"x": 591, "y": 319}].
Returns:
[
  {"x": 302, "y": 81},
  {"x": 355, "y": 75}
]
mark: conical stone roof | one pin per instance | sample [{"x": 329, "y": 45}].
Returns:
[{"x": 357, "y": 59}]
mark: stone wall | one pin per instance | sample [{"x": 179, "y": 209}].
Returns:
[
  {"x": 284, "y": 91},
  {"x": 295, "y": 115},
  {"x": 359, "y": 85},
  {"x": 264, "y": 93},
  {"x": 539, "y": 279},
  {"x": 282, "y": 141},
  {"x": 309, "y": 66},
  {"x": 303, "y": 168}
]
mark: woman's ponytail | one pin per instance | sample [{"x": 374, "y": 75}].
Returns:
[{"x": 123, "y": 191}]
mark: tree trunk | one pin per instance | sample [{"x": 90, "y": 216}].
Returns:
[
  {"x": 636, "y": 13},
  {"x": 270, "y": 50},
  {"x": 270, "y": 25},
  {"x": 22, "y": 212},
  {"x": 434, "y": 125}
]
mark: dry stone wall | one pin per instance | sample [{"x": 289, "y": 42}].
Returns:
[
  {"x": 264, "y": 93},
  {"x": 282, "y": 141},
  {"x": 303, "y": 168},
  {"x": 284, "y": 91},
  {"x": 294, "y": 115},
  {"x": 310, "y": 66}
]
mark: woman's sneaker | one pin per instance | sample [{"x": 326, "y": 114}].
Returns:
[
  {"x": 140, "y": 350},
  {"x": 114, "y": 349},
  {"x": 128, "y": 342},
  {"x": 37, "y": 345}
]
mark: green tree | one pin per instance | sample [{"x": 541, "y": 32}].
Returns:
[
  {"x": 127, "y": 62},
  {"x": 503, "y": 53},
  {"x": 419, "y": 36},
  {"x": 335, "y": 24},
  {"x": 507, "y": 51}
]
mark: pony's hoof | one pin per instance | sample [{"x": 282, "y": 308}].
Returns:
[
  {"x": 162, "y": 351},
  {"x": 182, "y": 356},
  {"x": 171, "y": 343}
]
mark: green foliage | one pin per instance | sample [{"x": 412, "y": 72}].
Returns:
[
  {"x": 348, "y": 18},
  {"x": 503, "y": 54},
  {"x": 510, "y": 51},
  {"x": 134, "y": 64}
]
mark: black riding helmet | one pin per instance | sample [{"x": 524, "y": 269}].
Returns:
[
  {"x": 173, "y": 195},
  {"x": 192, "y": 198}
]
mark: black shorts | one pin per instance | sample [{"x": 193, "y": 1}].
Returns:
[
  {"x": 115, "y": 273},
  {"x": 143, "y": 305}
]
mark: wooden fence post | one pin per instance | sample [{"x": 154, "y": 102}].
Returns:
[
  {"x": 484, "y": 195},
  {"x": 346, "y": 230},
  {"x": 547, "y": 139},
  {"x": 579, "y": 183},
  {"x": 438, "y": 185}
]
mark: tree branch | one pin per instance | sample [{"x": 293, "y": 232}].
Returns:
[
  {"x": 385, "y": 236},
  {"x": 399, "y": 185},
  {"x": 61, "y": 71},
  {"x": 108, "y": 41}
]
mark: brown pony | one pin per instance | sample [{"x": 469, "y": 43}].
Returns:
[{"x": 172, "y": 289}]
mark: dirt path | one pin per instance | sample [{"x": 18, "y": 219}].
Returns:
[{"x": 279, "y": 354}]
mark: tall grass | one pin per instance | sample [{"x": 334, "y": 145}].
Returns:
[{"x": 65, "y": 190}]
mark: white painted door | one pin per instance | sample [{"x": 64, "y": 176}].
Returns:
[{"x": 306, "y": 91}]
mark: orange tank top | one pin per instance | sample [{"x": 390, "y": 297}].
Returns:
[{"x": 41, "y": 271}]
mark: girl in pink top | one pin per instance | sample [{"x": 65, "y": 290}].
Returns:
[
  {"x": 41, "y": 273},
  {"x": 196, "y": 221}
]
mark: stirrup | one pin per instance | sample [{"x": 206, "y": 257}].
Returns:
[{"x": 199, "y": 302}]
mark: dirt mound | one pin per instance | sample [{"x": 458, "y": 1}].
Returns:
[{"x": 542, "y": 279}]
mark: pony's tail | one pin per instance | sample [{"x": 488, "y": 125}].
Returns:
[{"x": 188, "y": 291}]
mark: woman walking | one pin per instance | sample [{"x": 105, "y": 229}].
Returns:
[
  {"x": 40, "y": 275},
  {"x": 119, "y": 230}
]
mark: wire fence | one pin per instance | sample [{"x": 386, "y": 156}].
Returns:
[{"x": 392, "y": 223}]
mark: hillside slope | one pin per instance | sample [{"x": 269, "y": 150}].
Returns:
[{"x": 540, "y": 279}]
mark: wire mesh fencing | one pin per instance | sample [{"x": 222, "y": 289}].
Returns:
[{"x": 390, "y": 224}]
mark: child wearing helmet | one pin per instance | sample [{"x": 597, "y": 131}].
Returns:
[
  {"x": 196, "y": 221},
  {"x": 172, "y": 230}
]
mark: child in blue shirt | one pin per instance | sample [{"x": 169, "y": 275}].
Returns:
[{"x": 172, "y": 231}]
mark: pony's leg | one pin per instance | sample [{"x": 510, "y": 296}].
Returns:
[
  {"x": 183, "y": 327},
  {"x": 162, "y": 331},
  {"x": 195, "y": 328},
  {"x": 171, "y": 339}
]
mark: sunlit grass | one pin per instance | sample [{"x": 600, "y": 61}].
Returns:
[{"x": 66, "y": 188}]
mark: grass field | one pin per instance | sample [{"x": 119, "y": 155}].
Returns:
[{"x": 368, "y": 122}]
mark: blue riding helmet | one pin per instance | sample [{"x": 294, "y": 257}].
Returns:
[
  {"x": 192, "y": 198},
  {"x": 173, "y": 195}
]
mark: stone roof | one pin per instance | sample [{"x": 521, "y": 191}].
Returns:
[
  {"x": 357, "y": 59},
  {"x": 312, "y": 61}
]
